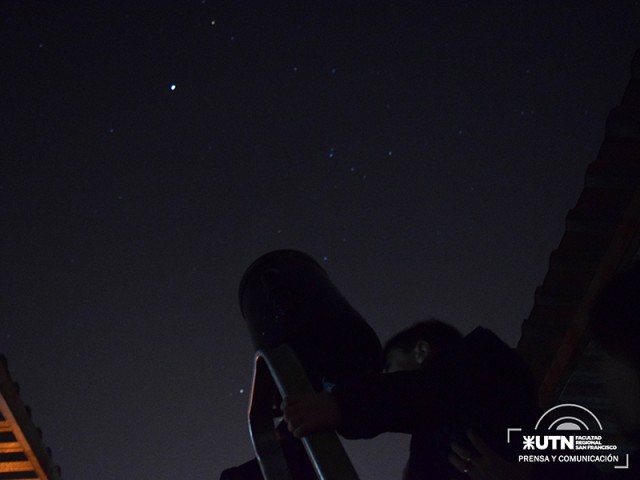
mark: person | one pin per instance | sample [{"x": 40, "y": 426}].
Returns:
[{"x": 436, "y": 385}]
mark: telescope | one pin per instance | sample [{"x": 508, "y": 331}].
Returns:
[
  {"x": 307, "y": 338},
  {"x": 286, "y": 297}
]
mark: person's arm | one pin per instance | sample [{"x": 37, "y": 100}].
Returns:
[
  {"x": 484, "y": 463},
  {"x": 481, "y": 462},
  {"x": 396, "y": 402},
  {"x": 311, "y": 413}
]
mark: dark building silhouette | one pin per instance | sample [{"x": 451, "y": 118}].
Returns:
[{"x": 602, "y": 236}]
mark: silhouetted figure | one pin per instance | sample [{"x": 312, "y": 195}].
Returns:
[{"x": 437, "y": 387}]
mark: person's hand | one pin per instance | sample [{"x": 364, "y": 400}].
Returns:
[
  {"x": 311, "y": 413},
  {"x": 485, "y": 463}
]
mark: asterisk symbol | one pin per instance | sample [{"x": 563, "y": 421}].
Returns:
[{"x": 528, "y": 442}]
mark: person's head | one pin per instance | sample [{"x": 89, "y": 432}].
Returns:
[
  {"x": 410, "y": 349},
  {"x": 615, "y": 323}
]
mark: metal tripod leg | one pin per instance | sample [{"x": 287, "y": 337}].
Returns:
[{"x": 279, "y": 368}]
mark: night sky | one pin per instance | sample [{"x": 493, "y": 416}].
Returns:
[{"x": 425, "y": 153}]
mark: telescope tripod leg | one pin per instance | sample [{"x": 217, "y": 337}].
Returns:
[{"x": 279, "y": 371}]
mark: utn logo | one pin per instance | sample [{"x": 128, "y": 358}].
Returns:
[
  {"x": 568, "y": 433},
  {"x": 567, "y": 425}
]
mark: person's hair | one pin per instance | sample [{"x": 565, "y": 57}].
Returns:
[
  {"x": 615, "y": 318},
  {"x": 439, "y": 335}
]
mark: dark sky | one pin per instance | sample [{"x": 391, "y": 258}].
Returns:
[{"x": 426, "y": 153}]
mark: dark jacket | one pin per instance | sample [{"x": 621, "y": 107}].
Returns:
[{"x": 480, "y": 384}]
